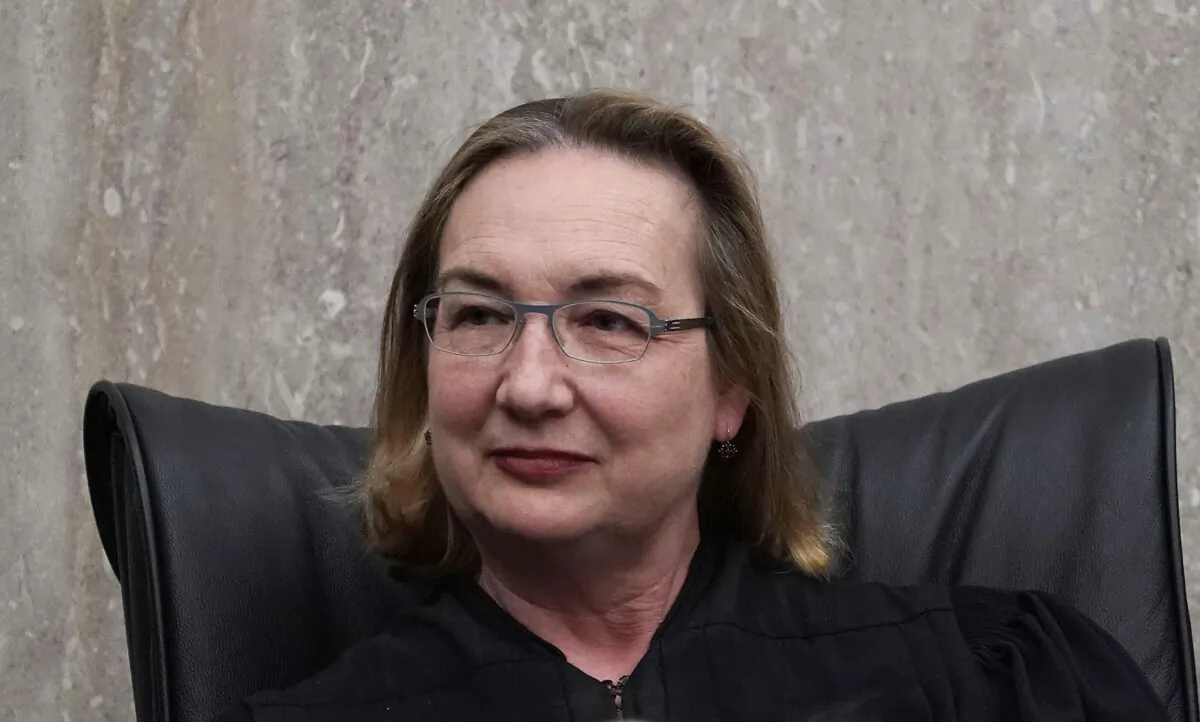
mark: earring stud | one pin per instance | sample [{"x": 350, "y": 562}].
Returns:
[
  {"x": 726, "y": 450},
  {"x": 428, "y": 437}
]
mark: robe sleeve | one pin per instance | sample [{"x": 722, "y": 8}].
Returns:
[{"x": 1039, "y": 660}]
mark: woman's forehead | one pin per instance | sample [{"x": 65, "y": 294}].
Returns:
[{"x": 576, "y": 220}]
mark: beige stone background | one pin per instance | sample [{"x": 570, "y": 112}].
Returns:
[{"x": 205, "y": 196}]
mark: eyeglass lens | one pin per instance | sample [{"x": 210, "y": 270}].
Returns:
[{"x": 476, "y": 325}]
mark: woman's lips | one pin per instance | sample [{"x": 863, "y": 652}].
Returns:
[{"x": 532, "y": 465}]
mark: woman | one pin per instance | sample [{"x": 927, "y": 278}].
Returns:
[{"x": 585, "y": 441}]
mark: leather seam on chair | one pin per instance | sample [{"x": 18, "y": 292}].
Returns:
[
  {"x": 1166, "y": 391},
  {"x": 132, "y": 438},
  {"x": 98, "y": 436}
]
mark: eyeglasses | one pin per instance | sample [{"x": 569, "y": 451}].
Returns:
[{"x": 603, "y": 332}]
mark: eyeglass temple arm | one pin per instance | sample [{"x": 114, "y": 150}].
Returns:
[{"x": 683, "y": 324}]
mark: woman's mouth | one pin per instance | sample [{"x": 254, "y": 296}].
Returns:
[{"x": 538, "y": 464}]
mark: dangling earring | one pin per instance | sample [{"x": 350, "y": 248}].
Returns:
[
  {"x": 428, "y": 437},
  {"x": 726, "y": 450}
]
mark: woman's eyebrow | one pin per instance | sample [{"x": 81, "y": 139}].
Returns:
[
  {"x": 475, "y": 278},
  {"x": 611, "y": 282},
  {"x": 591, "y": 285}
]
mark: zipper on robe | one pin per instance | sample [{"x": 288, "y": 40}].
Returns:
[{"x": 617, "y": 690}]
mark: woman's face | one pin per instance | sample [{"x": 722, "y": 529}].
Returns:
[{"x": 532, "y": 443}]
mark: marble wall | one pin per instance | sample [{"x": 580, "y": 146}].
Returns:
[{"x": 206, "y": 197}]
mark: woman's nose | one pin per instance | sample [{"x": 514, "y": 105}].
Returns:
[{"x": 534, "y": 369}]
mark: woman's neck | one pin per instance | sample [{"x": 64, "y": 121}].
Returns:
[{"x": 599, "y": 603}]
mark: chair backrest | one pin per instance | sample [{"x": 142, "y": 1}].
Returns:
[{"x": 239, "y": 572}]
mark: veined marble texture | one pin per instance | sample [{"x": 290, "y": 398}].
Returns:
[{"x": 208, "y": 197}]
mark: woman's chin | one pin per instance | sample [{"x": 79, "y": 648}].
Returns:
[
  {"x": 549, "y": 520},
  {"x": 541, "y": 528}
]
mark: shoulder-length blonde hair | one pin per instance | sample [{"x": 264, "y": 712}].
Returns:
[{"x": 768, "y": 495}]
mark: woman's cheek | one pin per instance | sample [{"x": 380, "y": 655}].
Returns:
[{"x": 458, "y": 397}]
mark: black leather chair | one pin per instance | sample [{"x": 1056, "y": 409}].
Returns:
[{"x": 238, "y": 572}]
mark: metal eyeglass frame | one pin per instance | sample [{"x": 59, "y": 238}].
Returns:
[{"x": 658, "y": 326}]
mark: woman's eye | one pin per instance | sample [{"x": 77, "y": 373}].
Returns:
[
  {"x": 478, "y": 316},
  {"x": 608, "y": 321}
]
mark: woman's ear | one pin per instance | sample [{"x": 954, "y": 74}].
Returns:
[{"x": 732, "y": 404}]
